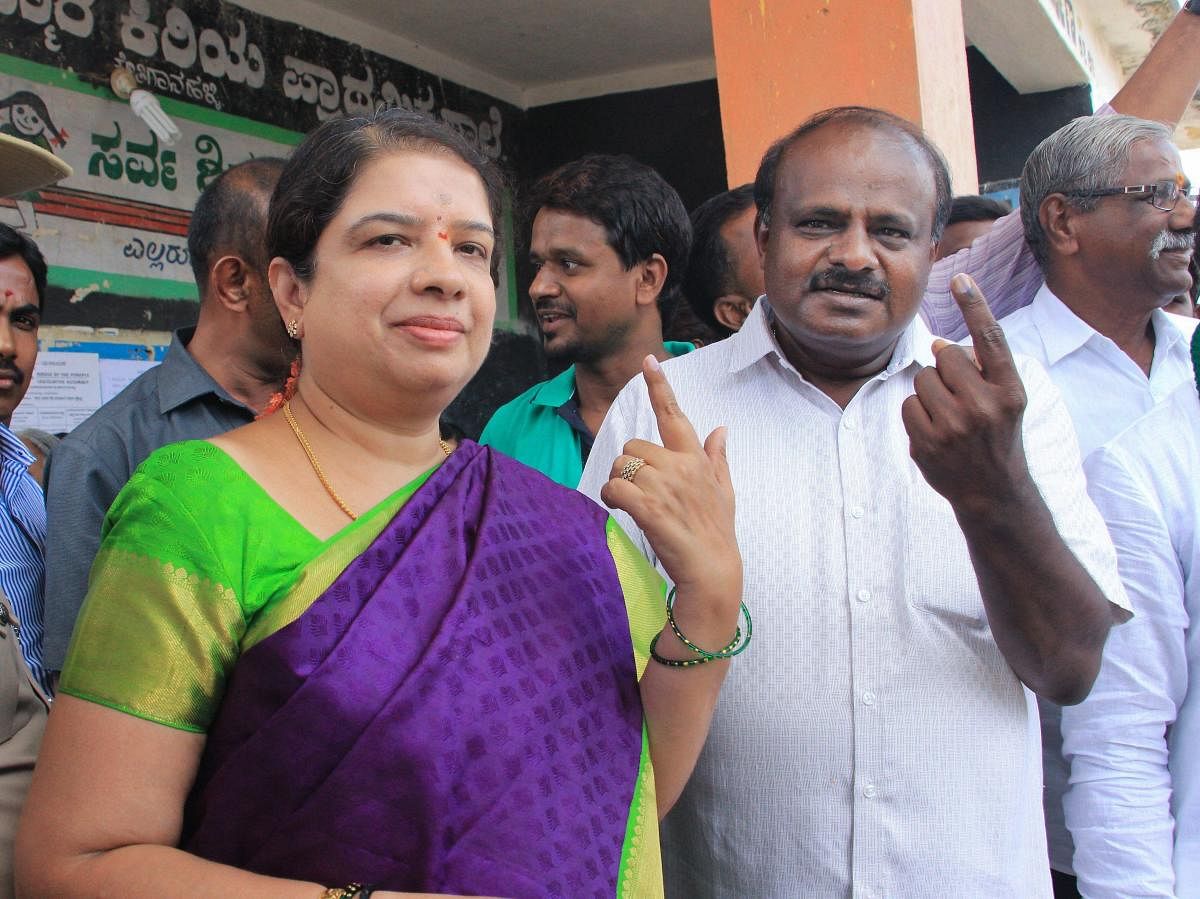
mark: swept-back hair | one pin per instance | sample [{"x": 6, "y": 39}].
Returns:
[{"x": 1089, "y": 153}]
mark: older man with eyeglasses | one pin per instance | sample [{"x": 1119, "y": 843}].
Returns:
[{"x": 1110, "y": 218}]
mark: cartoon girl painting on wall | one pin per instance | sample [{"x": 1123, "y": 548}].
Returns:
[{"x": 24, "y": 114}]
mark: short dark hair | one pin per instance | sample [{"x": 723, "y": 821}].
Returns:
[
  {"x": 641, "y": 214},
  {"x": 864, "y": 116},
  {"x": 324, "y": 167},
  {"x": 710, "y": 271},
  {"x": 974, "y": 208},
  {"x": 231, "y": 215},
  {"x": 14, "y": 243}
]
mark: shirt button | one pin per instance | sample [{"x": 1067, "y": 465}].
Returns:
[
  {"x": 848, "y": 424},
  {"x": 864, "y": 595},
  {"x": 858, "y": 512},
  {"x": 868, "y": 698},
  {"x": 869, "y": 791}
]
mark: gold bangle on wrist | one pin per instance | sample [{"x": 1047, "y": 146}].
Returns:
[{"x": 349, "y": 891}]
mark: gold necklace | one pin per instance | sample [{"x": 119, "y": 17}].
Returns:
[{"x": 316, "y": 466}]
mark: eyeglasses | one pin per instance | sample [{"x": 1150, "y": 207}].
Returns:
[{"x": 1161, "y": 194}]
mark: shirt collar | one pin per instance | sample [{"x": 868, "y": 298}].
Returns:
[
  {"x": 1062, "y": 331},
  {"x": 558, "y": 390},
  {"x": 914, "y": 346},
  {"x": 753, "y": 340},
  {"x": 756, "y": 340},
  {"x": 12, "y": 449},
  {"x": 182, "y": 379},
  {"x": 1166, "y": 332}
]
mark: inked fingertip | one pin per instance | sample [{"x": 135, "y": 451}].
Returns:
[
  {"x": 652, "y": 363},
  {"x": 963, "y": 283}
]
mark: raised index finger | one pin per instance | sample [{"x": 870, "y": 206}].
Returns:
[
  {"x": 673, "y": 426},
  {"x": 991, "y": 348}
]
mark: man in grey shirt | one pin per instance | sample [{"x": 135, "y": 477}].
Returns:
[{"x": 215, "y": 377}]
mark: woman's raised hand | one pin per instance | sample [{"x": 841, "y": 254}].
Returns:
[{"x": 681, "y": 496}]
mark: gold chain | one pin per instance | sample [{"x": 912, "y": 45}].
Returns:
[{"x": 316, "y": 466}]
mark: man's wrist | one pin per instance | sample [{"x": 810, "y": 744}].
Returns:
[{"x": 1002, "y": 506}]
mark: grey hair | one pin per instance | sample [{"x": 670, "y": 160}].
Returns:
[{"x": 1089, "y": 153}]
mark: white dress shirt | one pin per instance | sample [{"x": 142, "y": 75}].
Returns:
[
  {"x": 1105, "y": 391},
  {"x": 1133, "y": 805},
  {"x": 872, "y": 741}
]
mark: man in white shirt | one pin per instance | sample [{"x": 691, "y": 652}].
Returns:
[
  {"x": 904, "y": 572},
  {"x": 1134, "y": 801},
  {"x": 1107, "y": 214}
]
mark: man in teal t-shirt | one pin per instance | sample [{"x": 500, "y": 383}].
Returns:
[{"x": 610, "y": 243}]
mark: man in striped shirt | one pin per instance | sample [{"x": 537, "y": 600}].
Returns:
[{"x": 22, "y": 506}]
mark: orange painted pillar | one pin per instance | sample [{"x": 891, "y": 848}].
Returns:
[{"x": 779, "y": 61}]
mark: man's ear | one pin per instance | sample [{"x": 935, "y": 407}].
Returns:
[
  {"x": 731, "y": 310},
  {"x": 229, "y": 281},
  {"x": 1060, "y": 221},
  {"x": 761, "y": 234},
  {"x": 651, "y": 278},
  {"x": 288, "y": 292}
]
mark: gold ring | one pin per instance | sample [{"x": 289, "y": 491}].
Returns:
[{"x": 630, "y": 469}]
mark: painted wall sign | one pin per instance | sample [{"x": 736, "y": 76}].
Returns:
[
  {"x": 235, "y": 61},
  {"x": 123, "y": 215},
  {"x": 236, "y": 83}
]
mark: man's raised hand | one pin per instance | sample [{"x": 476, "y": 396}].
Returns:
[{"x": 964, "y": 421}]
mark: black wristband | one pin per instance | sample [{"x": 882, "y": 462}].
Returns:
[{"x": 1192, "y": 6}]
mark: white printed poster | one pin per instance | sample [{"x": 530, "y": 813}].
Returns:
[{"x": 64, "y": 390}]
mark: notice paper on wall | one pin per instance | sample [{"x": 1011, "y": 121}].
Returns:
[
  {"x": 69, "y": 386},
  {"x": 64, "y": 390},
  {"x": 115, "y": 374}
]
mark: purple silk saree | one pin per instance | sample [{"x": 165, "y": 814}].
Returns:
[{"x": 458, "y": 712}]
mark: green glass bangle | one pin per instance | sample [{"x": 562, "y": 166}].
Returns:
[
  {"x": 674, "y": 663},
  {"x": 736, "y": 646}
]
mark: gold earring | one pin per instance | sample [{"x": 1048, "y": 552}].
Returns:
[{"x": 293, "y": 329}]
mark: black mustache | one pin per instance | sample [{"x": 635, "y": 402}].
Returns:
[
  {"x": 541, "y": 306},
  {"x": 850, "y": 282},
  {"x": 16, "y": 374}
]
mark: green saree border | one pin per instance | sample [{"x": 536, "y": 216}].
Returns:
[
  {"x": 640, "y": 873},
  {"x": 321, "y": 571}
]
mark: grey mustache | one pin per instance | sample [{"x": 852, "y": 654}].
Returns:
[{"x": 1167, "y": 241}]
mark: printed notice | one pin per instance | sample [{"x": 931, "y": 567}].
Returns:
[
  {"x": 65, "y": 390},
  {"x": 115, "y": 374}
]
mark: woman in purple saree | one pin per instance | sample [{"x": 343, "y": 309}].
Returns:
[{"x": 293, "y": 676}]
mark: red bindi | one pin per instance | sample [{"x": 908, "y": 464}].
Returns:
[{"x": 443, "y": 235}]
